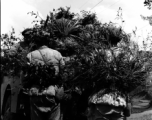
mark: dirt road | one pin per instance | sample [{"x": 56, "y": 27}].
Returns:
[{"x": 147, "y": 115}]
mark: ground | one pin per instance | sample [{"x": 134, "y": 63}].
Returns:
[
  {"x": 147, "y": 115},
  {"x": 142, "y": 108}
]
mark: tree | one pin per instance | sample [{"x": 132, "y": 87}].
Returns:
[
  {"x": 148, "y": 3},
  {"x": 149, "y": 18},
  {"x": 13, "y": 56}
]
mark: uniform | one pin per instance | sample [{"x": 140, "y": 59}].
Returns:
[{"x": 45, "y": 107}]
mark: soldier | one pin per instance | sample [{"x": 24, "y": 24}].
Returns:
[{"x": 44, "y": 105}]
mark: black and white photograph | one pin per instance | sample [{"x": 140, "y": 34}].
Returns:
[{"x": 76, "y": 59}]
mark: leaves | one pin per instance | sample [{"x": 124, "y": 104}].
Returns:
[
  {"x": 96, "y": 58},
  {"x": 148, "y": 3},
  {"x": 42, "y": 76}
]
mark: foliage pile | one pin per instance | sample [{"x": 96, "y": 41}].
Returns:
[
  {"x": 96, "y": 59},
  {"x": 41, "y": 75}
]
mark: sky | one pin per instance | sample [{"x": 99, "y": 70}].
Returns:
[{"x": 14, "y": 13}]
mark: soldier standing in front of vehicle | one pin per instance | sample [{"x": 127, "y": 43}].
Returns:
[{"x": 45, "y": 106}]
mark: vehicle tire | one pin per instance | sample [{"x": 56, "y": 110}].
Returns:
[{"x": 7, "y": 110}]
